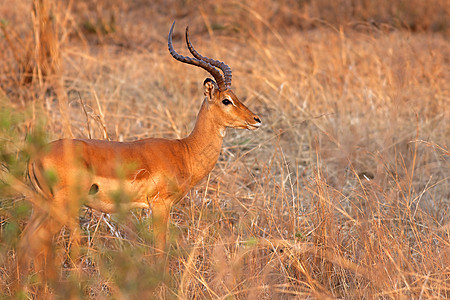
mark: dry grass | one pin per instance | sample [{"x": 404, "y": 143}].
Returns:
[{"x": 343, "y": 193}]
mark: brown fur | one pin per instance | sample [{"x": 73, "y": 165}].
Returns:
[{"x": 156, "y": 173}]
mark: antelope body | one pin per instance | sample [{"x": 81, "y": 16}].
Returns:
[{"x": 154, "y": 173}]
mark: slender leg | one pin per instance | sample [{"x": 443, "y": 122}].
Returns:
[
  {"x": 36, "y": 245},
  {"x": 30, "y": 245},
  {"x": 74, "y": 246},
  {"x": 36, "y": 242},
  {"x": 160, "y": 216}
]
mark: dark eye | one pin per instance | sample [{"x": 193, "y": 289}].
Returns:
[{"x": 226, "y": 101}]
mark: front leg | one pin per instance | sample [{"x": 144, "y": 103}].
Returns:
[{"x": 160, "y": 216}]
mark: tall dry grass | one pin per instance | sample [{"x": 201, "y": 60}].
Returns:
[{"x": 343, "y": 193}]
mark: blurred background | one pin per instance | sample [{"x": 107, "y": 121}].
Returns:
[{"x": 342, "y": 193}]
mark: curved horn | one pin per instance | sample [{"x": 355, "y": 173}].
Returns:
[
  {"x": 196, "y": 62},
  {"x": 216, "y": 63}
]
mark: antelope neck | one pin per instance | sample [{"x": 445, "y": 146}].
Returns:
[{"x": 203, "y": 144}]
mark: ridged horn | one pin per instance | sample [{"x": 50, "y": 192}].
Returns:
[
  {"x": 216, "y": 63},
  {"x": 197, "y": 62}
]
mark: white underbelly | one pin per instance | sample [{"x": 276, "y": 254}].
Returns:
[{"x": 109, "y": 194}]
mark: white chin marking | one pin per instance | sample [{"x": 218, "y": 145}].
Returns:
[
  {"x": 253, "y": 126},
  {"x": 223, "y": 131}
]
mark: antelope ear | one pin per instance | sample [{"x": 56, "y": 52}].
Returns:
[{"x": 210, "y": 88}]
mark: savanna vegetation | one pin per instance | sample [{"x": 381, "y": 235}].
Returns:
[{"x": 342, "y": 193}]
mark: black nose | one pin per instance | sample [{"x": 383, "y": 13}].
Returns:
[{"x": 257, "y": 119}]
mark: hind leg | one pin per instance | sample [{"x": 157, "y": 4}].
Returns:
[
  {"x": 72, "y": 251},
  {"x": 46, "y": 221},
  {"x": 36, "y": 245}
]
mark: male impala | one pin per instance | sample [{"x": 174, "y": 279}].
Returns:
[{"x": 154, "y": 172}]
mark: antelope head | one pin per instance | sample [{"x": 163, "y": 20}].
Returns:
[{"x": 222, "y": 102}]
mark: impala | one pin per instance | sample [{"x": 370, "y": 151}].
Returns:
[{"x": 156, "y": 173}]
